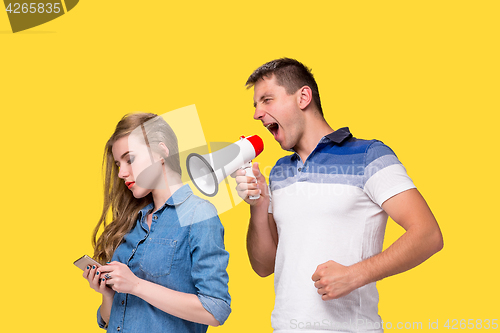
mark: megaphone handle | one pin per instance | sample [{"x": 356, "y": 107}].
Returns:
[{"x": 249, "y": 173}]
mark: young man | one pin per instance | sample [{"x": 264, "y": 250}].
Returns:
[{"x": 320, "y": 224}]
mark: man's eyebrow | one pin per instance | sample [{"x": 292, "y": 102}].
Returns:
[{"x": 265, "y": 95}]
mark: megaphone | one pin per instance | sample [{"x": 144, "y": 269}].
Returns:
[{"x": 207, "y": 171}]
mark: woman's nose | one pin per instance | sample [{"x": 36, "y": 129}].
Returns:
[{"x": 123, "y": 172}]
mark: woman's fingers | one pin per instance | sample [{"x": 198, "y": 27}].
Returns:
[
  {"x": 94, "y": 278},
  {"x": 107, "y": 272},
  {"x": 102, "y": 285},
  {"x": 109, "y": 267},
  {"x": 85, "y": 273},
  {"x": 97, "y": 279}
]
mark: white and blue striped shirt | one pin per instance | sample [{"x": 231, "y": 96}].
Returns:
[{"x": 329, "y": 208}]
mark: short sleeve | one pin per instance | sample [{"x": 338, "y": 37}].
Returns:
[
  {"x": 270, "y": 208},
  {"x": 384, "y": 175},
  {"x": 209, "y": 261}
]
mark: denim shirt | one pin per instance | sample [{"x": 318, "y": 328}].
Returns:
[{"x": 183, "y": 251}]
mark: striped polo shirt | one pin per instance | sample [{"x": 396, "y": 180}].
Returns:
[{"x": 329, "y": 208}]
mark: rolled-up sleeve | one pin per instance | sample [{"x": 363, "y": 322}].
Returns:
[
  {"x": 217, "y": 307},
  {"x": 209, "y": 261},
  {"x": 100, "y": 321}
]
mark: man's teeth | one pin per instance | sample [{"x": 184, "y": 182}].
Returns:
[{"x": 271, "y": 125}]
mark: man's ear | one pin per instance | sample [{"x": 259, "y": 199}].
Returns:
[
  {"x": 304, "y": 96},
  {"x": 164, "y": 149}
]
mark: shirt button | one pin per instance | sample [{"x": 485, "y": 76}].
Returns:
[
  {"x": 155, "y": 217},
  {"x": 118, "y": 328},
  {"x": 123, "y": 302}
]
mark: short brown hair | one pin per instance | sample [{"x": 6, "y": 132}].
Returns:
[{"x": 290, "y": 74}]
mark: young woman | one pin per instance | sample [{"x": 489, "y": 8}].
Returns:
[{"x": 164, "y": 247}]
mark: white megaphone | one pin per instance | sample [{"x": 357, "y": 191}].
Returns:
[{"x": 207, "y": 171}]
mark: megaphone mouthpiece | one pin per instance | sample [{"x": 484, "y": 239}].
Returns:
[{"x": 257, "y": 143}]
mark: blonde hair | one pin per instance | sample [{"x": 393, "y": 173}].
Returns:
[{"x": 117, "y": 198}]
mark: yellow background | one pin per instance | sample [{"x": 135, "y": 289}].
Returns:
[{"x": 421, "y": 76}]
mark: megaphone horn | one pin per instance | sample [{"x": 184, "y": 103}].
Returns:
[{"x": 207, "y": 171}]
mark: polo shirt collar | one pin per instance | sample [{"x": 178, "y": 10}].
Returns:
[
  {"x": 339, "y": 135},
  {"x": 336, "y": 137}
]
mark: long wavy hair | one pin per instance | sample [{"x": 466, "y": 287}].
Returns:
[{"x": 118, "y": 199}]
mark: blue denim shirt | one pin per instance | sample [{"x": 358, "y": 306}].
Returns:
[{"x": 183, "y": 251}]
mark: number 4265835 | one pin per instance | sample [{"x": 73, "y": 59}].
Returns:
[
  {"x": 34, "y": 7},
  {"x": 455, "y": 324}
]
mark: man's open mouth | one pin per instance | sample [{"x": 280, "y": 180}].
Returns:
[{"x": 273, "y": 128}]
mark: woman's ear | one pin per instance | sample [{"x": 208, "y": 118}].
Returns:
[{"x": 164, "y": 149}]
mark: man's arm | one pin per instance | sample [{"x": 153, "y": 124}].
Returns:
[
  {"x": 262, "y": 242},
  {"x": 421, "y": 240},
  {"x": 262, "y": 236}
]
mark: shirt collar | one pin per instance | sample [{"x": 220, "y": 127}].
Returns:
[
  {"x": 177, "y": 198},
  {"x": 339, "y": 135}
]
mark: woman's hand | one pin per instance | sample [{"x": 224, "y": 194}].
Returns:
[
  {"x": 97, "y": 282},
  {"x": 119, "y": 277},
  {"x": 178, "y": 304}
]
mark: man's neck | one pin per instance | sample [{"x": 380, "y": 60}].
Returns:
[{"x": 316, "y": 128}]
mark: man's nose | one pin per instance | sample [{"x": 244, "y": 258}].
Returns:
[{"x": 259, "y": 113}]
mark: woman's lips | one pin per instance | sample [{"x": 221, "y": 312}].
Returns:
[{"x": 129, "y": 184}]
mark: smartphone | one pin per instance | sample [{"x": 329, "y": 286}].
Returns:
[{"x": 85, "y": 261}]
